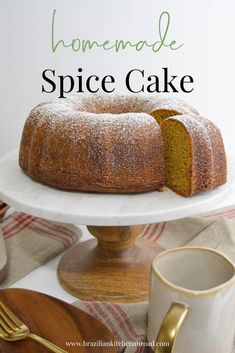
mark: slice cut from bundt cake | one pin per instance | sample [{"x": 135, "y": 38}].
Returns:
[
  {"x": 166, "y": 108},
  {"x": 194, "y": 154}
]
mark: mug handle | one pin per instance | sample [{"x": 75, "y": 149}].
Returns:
[{"x": 170, "y": 327}]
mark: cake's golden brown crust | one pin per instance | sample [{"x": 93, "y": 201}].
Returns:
[
  {"x": 208, "y": 158},
  {"x": 65, "y": 146},
  {"x": 113, "y": 144}
]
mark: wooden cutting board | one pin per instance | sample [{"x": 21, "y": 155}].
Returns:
[
  {"x": 54, "y": 320},
  {"x": 3, "y": 257},
  {"x": 3, "y": 209}
]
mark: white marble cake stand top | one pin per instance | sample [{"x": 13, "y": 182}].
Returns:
[{"x": 24, "y": 194}]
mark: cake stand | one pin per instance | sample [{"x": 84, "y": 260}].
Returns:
[{"x": 114, "y": 266}]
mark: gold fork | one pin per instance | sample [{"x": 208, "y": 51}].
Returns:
[{"x": 13, "y": 329}]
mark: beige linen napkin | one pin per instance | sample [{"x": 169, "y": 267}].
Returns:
[
  {"x": 31, "y": 242},
  {"x": 215, "y": 230}
]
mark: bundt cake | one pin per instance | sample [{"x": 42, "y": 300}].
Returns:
[
  {"x": 116, "y": 144},
  {"x": 74, "y": 144},
  {"x": 194, "y": 154}
]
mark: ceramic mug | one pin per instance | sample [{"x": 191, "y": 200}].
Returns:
[{"x": 192, "y": 302}]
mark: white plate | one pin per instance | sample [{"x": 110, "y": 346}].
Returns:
[{"x": 24, "y": 194}]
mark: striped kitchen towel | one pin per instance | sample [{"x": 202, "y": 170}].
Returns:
[
  {"x": 31, "y": 242},
  {"x": 128, "y": 322}
]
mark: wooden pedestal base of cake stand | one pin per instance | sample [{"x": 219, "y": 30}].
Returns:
[{"x": 115, "y": 267}]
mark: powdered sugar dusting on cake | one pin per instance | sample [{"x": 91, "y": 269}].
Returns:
[
  {"x": 118, "y": 103},
  {"x": 124, "y": 132},
  {"x": 60, "y": 110}
]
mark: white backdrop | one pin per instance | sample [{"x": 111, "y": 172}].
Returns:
[{"x": 205, "y": 27}]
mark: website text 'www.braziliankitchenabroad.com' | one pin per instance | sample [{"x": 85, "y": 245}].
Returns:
[{"x": 101, "y": 343}]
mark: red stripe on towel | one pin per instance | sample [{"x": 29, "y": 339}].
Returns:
[
  {"x": 146, "y": 230},
  {"x": 49, "y": 234},
  {"x": 48, "y": 227},
  {"x": 127, "y": 325},
  {"x": 59, "y": 227},
  {"x": 21, "y": 221},
  {"x": 231, "y": 216},
  {"x": 17, "y": 226},
  {"x": 219, "y": 214},
  {"x": 117, "y": 317},
  {"x": 160, "y": 232},
  {"x": 154, "y": 229},
  {"x": 108, "y": 320}
]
